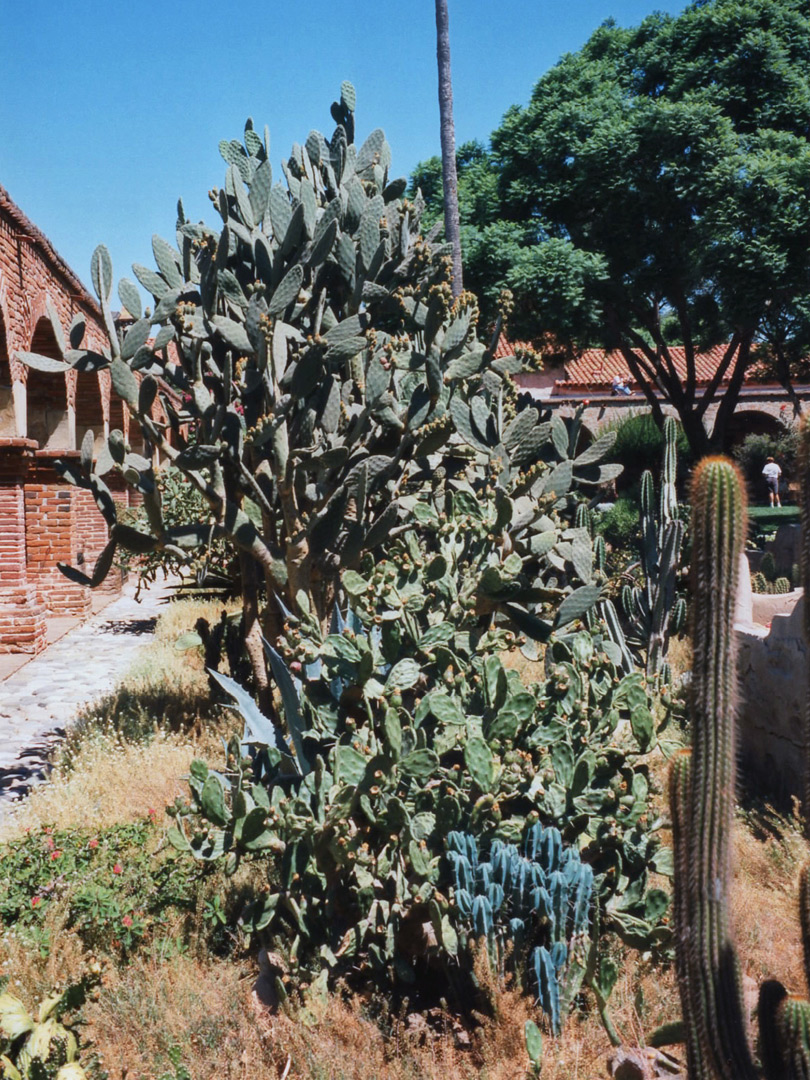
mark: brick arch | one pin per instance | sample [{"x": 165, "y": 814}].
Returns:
[
  {"x": 752, "y": 421},
  {"x": 47, "y": 394}
]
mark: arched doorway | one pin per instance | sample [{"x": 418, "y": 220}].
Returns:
[
  {"x": 46, "y": 395},
  {"x": 745, "y": 422}
]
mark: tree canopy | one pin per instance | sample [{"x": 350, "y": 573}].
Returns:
[{"x": 656, "y": 191}]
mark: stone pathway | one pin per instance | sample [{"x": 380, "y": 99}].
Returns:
[{"x": 40, "y": 699}]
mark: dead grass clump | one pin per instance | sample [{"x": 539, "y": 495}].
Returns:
[
  {"x": 109, "y": 782},
  {"x": 165, "y": 688},
  {"x": 769, "y": 851},
  {"x": 205, "y": 1013}
]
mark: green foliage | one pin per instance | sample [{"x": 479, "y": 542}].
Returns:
[
  {"x": 403, "y": 726},
  {"x": 114, "y": 891},
  {"x": 752, "y": 453},
  {"x": 768, "y": 566},
  {"x": 212, "y": 564},
  {"x": 639, "y": 439},
  {"x": 44, "y": 1046},
  {"x": 620, "y": 524},
  {"x": 654, "y": 192}
]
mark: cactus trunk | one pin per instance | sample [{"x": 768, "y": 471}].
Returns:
[
  {"x": 804, "y": 473},
  {"x": 707, "y": 966}
]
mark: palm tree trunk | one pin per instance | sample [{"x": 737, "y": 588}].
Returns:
[{"x": 452, "y": 228}]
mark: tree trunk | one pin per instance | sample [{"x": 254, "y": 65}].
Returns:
[{"x": 452, "y": 228}]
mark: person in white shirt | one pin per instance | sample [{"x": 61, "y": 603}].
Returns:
[{"x": 772, "y": 472}]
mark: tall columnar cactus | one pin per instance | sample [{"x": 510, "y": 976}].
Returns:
[
  {"x": 702, "y": 804},
  {"x": 804, "y": 574},
  {"x": 654, "y": 611}
]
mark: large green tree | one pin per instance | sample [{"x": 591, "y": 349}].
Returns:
[{"x": 656, "y": 191}]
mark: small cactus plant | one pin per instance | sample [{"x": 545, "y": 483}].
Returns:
[
  {"x": 652, "y": 608},
  {"x": 768, "y": 566},
  {"x": 541, "y": 898}
]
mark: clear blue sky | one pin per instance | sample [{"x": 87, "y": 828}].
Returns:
[{"x": 110, "y": 111}]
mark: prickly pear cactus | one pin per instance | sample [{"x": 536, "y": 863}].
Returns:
[{"x": 401, "y": 724}]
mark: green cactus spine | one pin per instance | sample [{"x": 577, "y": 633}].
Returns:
[{"x": 707, "y": 966}]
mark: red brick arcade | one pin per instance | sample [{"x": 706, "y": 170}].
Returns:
[{"x": 44, "y": 416}]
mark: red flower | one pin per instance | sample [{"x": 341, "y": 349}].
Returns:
[
  {"x": 92, "y": 843},
  {"x": 118, "y": 868},
  {"x": 127, "y": 920},
  {"x": 152, "y": 813},
  {"x": 55, "y": 854},
  {"x": 36, "y": 901}
]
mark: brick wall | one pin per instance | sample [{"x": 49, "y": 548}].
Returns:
[
  {"x": 22, "y": 616},
  {"x": 51, "y": 534},
  {"x": 44, "y": 415}
]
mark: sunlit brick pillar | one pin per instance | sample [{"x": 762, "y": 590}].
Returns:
[
  {"x": 52, "y": 537},
  {"x": 22, "y": 617}
]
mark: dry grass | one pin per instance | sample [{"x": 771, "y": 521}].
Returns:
[
  {"x": 768, "y": 852},
  {"x": 109, "y": 782},
  {"x": 164, "y": 688},
  {"x": 129, "y": 752},
  {"x": 208, "y": 1012}
]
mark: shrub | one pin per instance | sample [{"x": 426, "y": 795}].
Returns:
[
  {"x": 407, "y": 726},
  {"x": 768, "y": 566},
  {"x": 752, "y": 453},
  {"x": 107, "y": 886},
  {"x": 639, "y": 440},
  {"x": 620, "y": 524}
]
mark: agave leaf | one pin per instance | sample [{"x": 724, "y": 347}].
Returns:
[{"x": 289, "y": 698}]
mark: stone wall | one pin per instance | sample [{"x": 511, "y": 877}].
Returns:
[{"x": 773, "y": 668}]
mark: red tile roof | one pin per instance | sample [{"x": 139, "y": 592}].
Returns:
[{"x": 594, "y": 369}]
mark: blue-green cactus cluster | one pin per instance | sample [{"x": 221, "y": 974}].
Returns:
[{"x": 538, "y": 902}]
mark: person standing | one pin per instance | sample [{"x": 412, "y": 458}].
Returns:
[{"x": 772, "y": 473}]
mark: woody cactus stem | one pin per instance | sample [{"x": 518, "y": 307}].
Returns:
[
  {"x": 707, "y": 967},
  {"x": 679, "y": 805}
]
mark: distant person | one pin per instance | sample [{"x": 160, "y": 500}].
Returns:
[
  {"x": 772, "y": 473},
  {"x": 619, "y": 386}
]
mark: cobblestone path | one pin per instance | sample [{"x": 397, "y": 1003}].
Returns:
[{"x": 38, "y": 701}]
